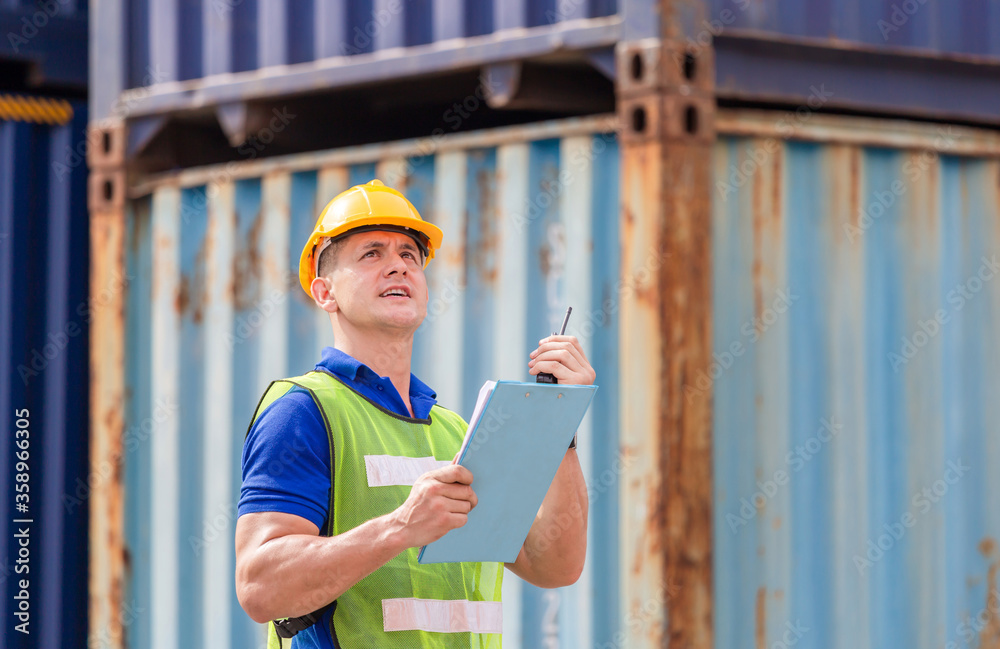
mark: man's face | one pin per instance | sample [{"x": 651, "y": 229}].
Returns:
[{"x": 379, "y": 281}]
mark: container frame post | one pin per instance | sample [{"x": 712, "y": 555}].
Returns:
[{"x": 666, "y": 108}]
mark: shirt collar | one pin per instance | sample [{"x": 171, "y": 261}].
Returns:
[{"x": 348, "y": 367}]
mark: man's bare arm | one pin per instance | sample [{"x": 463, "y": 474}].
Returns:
[
  {"x": 285, "y": 569},
  {"x": 556, "y": 548}
]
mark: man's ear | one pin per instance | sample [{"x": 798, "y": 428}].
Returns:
[{"x": 321, "y": 294}]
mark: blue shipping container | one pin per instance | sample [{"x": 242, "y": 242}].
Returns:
[
  {"x": 854, "y": 308},
  {"x": 45, "y": 310}
]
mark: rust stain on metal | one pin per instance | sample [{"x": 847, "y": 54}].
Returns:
[
  {"x": 247, "y": 267},
  {"x": 192, "y": 295},
  {"x": 776, "y": 523},
  {"x": 777, "y": 189},
  {"x": 107, "y": 396},
  {"x": 767, "y": 223},
  {"x": 667, "y": 181},
  {"x": 989, "y": 637},
  {"x": 760, "y": 616},
  {"x": 854, "y": 210},
  {"x": 199, "y": 283},
  {"x": 183, "y": 298},
  {"x": 685, "y": 428},
  {"x": 484, "y": 259},
  {"x": 544, "y": 260},
  {"x": 758, "y": 247}
]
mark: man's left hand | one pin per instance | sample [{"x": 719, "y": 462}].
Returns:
[{"x": 563, "y": 358}]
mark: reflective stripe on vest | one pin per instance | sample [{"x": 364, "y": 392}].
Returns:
[
  {"x": 442, "y": 616},
  {"x": 396, "y": 470}
]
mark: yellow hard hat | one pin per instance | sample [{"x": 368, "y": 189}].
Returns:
[{"x": 371, "y": 206}]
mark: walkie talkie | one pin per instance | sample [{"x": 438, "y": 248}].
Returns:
[{"x": 543, "y": 377}]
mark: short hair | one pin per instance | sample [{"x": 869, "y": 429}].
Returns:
[{"x": 328, "y": 258}]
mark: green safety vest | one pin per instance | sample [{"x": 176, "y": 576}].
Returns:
[{"x": 375, "y": 455}]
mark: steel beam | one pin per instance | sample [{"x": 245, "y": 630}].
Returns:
[
  {"x": 666, "y": 113},
  {"x": 751, "y": 69},
  {"x": 107, "y": 425},
  {"x": 362, "y": 69}
]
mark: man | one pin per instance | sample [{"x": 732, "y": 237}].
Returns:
[{"x": 325, "y": 544}]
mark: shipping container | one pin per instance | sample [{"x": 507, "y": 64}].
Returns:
[
  {"x": 197, "y": 81},
  {"x": 855, "y": 368},
  {"x": 45, "y": 312},
  {"x": 852, "y": 268},
  {"x": 781, "y": 249},
  {"x": 44, "y": 47},
  {"x": 215, "y": 313},
  {"x": 969, "y": 27}
]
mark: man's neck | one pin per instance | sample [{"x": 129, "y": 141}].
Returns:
[{"x": 387, "y": 355}]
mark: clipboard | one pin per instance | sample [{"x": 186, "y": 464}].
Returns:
[{"x": 515, "y": 443}]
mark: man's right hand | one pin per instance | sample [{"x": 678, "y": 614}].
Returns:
[{"x": 439, "y": 501}]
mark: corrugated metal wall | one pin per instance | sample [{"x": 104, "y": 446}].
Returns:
[
  {"x": 189, "y": 39},
  {"x": 44, "y": 316},
  {"x": 44, "y": 44},
  {"x": 856, "y": 307},
  {"x": 968, "y": 27},
  {"x": 531, "y": 225}
]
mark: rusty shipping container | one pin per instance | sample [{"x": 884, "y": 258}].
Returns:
[
  {"x": 853, "y": 309},
  {"x": 776, "y": 220}
]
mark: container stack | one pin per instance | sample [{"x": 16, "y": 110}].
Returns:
[
  {"x": 44, "y": 324},
  {"x": 775, "y": 220}
]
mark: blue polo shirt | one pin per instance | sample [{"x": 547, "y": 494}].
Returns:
[{"x": 286, "y": 455}]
